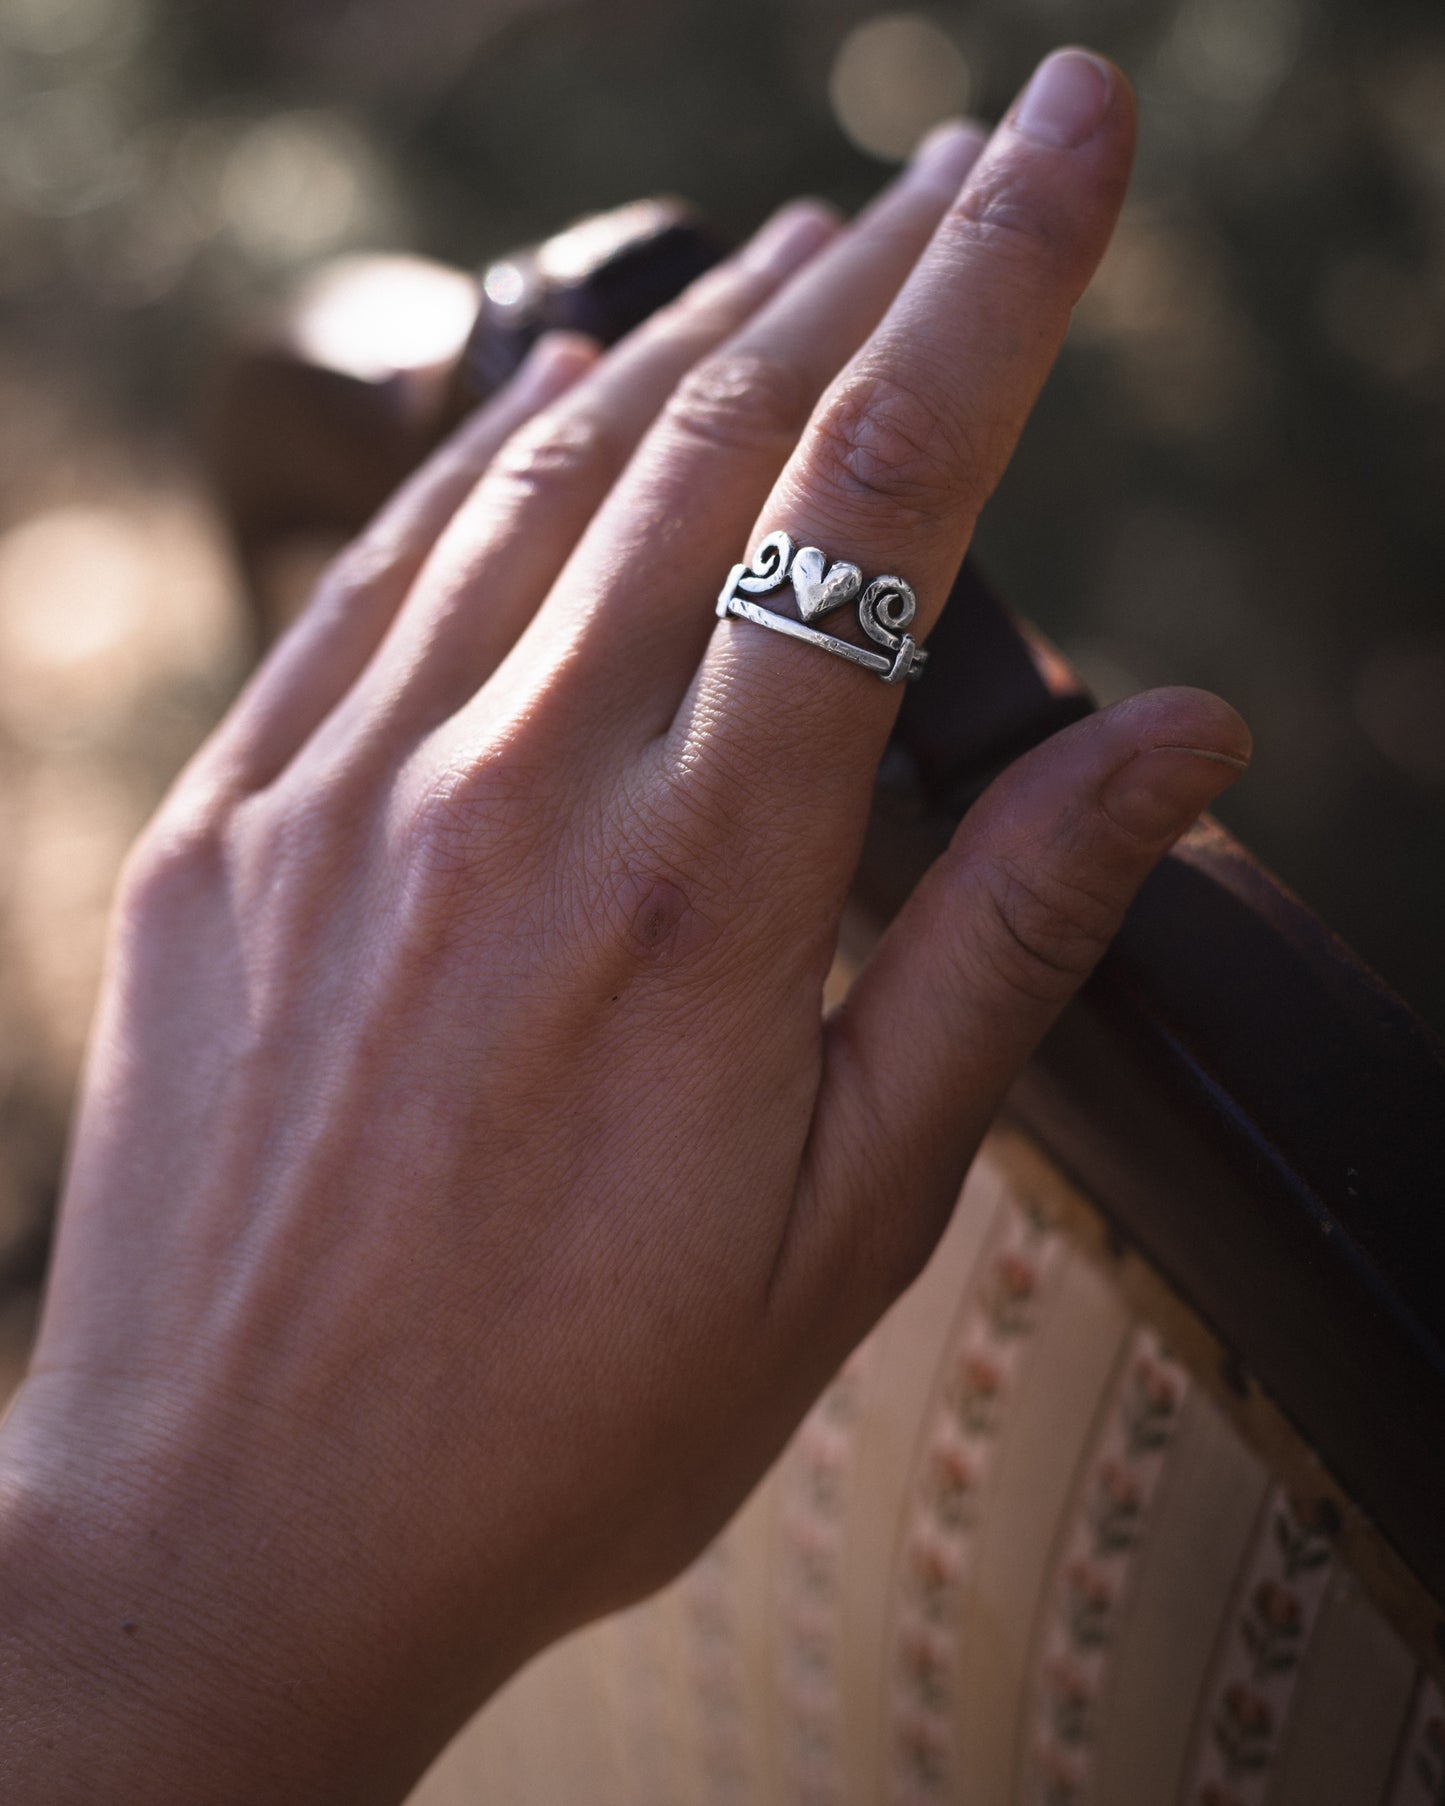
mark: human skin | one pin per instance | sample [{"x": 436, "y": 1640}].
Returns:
[{"x": 469, "y": 1194}]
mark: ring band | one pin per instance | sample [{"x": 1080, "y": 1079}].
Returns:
[{"x": 885, "y": 609}]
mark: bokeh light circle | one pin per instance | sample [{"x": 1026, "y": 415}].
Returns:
[{"x": 894, "y": 77}]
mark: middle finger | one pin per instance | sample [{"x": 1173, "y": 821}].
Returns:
[
  {"x": 906, "y": 447},
  {"x": 489, "y": 568}
]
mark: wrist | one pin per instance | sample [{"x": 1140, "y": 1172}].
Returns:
[{"x": 167, "y": 1635}]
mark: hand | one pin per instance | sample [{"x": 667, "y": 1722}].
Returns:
[{"x": 469, "y": 1195}]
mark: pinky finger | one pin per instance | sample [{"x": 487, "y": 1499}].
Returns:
[{"x": 332, "y": 641}]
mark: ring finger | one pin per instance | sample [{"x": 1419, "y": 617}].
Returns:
[{"x": 905, "y": 448}]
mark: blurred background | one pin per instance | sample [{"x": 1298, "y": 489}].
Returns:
[{"x": 1237, "y": 477}]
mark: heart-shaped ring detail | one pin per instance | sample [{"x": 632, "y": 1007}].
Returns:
[{"x": 819, "y": 594}]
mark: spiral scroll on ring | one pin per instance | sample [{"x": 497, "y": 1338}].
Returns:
[
  {"x": 770, "y": 564},
  {"x": 886, "y": 610}
]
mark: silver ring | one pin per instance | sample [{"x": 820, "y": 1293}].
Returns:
[{"x": 885, "y": 609}]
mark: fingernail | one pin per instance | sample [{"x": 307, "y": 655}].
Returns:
[
  {"x": 790, "y": 237},
  {"x": 1161, "y": 792},
  {"x": 946, "y": 155},
  {"x": 1065, "y": 103}
]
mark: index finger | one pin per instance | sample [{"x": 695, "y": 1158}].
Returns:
[{"x": 908, "y": 443}]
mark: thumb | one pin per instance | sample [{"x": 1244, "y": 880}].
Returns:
[{"x": 998, "y": 936}]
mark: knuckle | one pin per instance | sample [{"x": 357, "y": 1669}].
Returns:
[
  {"x": 739, "y": 401},
  {"x": 461, "y": 855},
  {"x": 1002, "y": 214},
  {"x": 467, "y": 806},
  {"x": 882, "y": 445},
  {"x": 552, "y": 453},
  {"x": 182, "y": 855},
  {"x": 372, "y": 561},
  {"x": 481, "y": 822},
  {"x": 1044, "y": 933}
]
